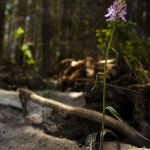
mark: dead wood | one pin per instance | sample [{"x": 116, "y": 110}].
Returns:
[
  {"x": 137, "y": 86},
  {"x": 131, "y": 136}
]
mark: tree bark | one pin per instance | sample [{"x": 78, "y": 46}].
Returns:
[
  {"x": 46, "y": 39},
  {"x": 148, "y": 17},
  {"x": 2, "y": 21},
  {"x": 32, "y": 28},
  {"x": 21, "y": 20},
  {"x": 66, "y": 25}
]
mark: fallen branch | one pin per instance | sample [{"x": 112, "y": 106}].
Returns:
[
  {"x": 131, "y": 137},
  {"x": 139, "y": 86}
]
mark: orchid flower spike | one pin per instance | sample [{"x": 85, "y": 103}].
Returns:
[{"x": 117, "y": 10}]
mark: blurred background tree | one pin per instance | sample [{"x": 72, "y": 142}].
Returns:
[
  {"x": 2, "y": 19},
  {"x": 55, "y": 30}
]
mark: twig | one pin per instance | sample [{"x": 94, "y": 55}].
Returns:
[{"x": 108, "y": 84}]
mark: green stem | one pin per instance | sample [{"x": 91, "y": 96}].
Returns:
[{"x": 104, "y": 86}]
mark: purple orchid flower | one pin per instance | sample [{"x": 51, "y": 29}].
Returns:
[{"x": 117, "y": 10}]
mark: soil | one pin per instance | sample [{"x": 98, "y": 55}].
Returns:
[{"x": 28, "y": 133}]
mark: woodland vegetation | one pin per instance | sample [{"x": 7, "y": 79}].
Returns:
[
  {"x": 65, "y": 40},
  {"x": 40, "y": 35}
]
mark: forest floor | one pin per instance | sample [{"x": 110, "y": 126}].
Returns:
[
  {"x": 55, "y": 129},
  {"x": 18, "y": 133}
]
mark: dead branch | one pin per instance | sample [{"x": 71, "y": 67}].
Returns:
[
  {"x": 131, "y": 136},
  {"x": 139, "y": 86}
]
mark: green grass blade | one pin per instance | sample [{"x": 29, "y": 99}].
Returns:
[
  {"x": 115, "y": 113},
  {"x": 110, "y": 131}
]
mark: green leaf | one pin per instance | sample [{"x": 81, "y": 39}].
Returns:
[
  {"x": 24, "y": 47},
  {"x": 28, "y": 54},
  {"x": 96, "y": 80},
  {"x": 116, "y": 53},
  {"x": 109, "y": 131},
  {"x": 115, "y": 113},
  {"x": 30, "y": 61},
  {"x": 97, "y": 31},
  {"x": 19, "y": 32},
  {"x": 97, "y": 34}
]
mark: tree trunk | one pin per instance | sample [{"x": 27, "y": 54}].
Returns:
[
  {"x": 148, "y": 17},
  {"x": 66, "y": 25},
  {"x": 140, "y": 14},
  {"x": 21, "y": 17},
  {"x": 46, "y": 39},
  {"x": 32, "y": 28},
  {"x": 2, "y": 20}
]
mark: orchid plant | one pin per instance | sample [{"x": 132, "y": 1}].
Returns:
[{"x": 115, "y": 11}]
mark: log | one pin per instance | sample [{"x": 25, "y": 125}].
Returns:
[{"x": 130, "y": 136}]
